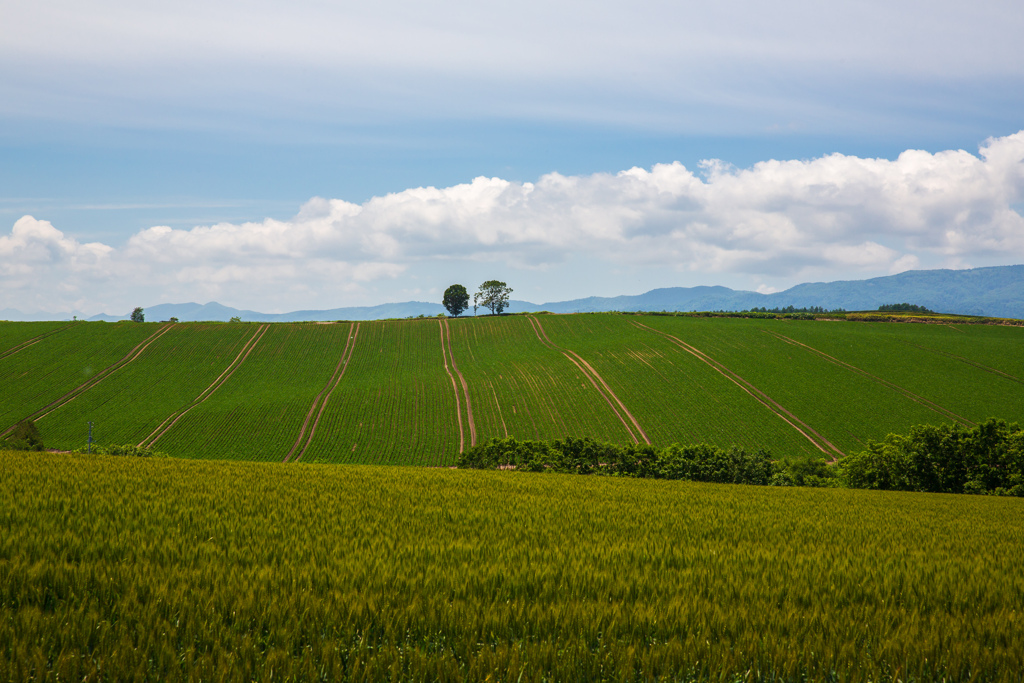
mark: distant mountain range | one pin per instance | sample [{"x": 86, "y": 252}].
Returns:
[{"x": 996, "y": 291}]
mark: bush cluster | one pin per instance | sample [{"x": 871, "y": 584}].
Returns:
[
  {"x": 943, "y": 459},
  {"x": 24, "y": 437},
  {"x": 128, "y": 450},
  {"x": 699, "y": 462},
  {"x": 940, "y": 459},
  {"x": 904, "y": 308}
]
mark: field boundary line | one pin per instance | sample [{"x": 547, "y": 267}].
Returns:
[
  {"x": 763, "y": 398},
  {"x": 354, "y": 334},
  {"x": 458, "y": 405},
  {"x": 968, "y": 361},
  {"x": 34, "y": 340},
  {"x": 465, "y": 387},
  {"x": 591, "y": 374},
  {"x": 931, "y": 405},
  {"x": 216, "y": 384},
  {"x": 97, "y": 378},
  {"x": 316, "y": 401}
]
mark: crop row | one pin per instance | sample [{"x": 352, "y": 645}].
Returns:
[
  {"x": 396, "y": 404},
  {"x": 258, "y": 413},
  {"x": 43, "y": 373},
  {"x": 130, "y": 404}
]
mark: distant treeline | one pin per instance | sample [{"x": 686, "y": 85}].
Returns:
[
  {"x": 942, "y": 459},
  {"x": 807, "y": 309},
  {"x": 904, "y": 308}
]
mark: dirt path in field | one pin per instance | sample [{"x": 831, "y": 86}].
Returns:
[
  {"x": 819, "y": 441},
  {"x": 339, "y": 372},
  {"x": 98, "y": 377},
  {"x": 986, "y": 368},
  {"x": 934, "y": 407},
  {"x": 455, "y": 388},
  {"x": 465, "y": 387},
  {"x": 173, "y": 418},
  {"x": 595, "y": 379},
  {"x": 34, "y": 340}
]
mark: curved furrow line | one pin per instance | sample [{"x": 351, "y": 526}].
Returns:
[
  {"x": 604, "y": 396},
  {"x": 612, "y": 394},
  {"x": 353, "y": 335},
  {"x": 465, "y": 387},
  {"x": 316, "y": 401},
  {"x": 539, "y": 330},
  {"x": 99, "y": 377},
  {"x": 931, "y": 405},
  {"x": 986, "y": 368},
  {"x": 34, "y": 340},
  {"x": 764, "y": 399},
  {"x": 213, "y": 387},
  {"x": 498, "y": 406},
  {"x": 208, "y": 389},
  {"x": 458, "y": 405}
]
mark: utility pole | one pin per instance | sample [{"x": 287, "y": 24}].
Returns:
[{"x": 90, "y": 437}]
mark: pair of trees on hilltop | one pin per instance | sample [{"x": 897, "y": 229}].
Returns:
[{"x": 492, "y": 295}]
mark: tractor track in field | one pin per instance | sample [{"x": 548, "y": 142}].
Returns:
[
  {"x": 455, "y": 388},
  {"x": 819, "y": 441},
  {"x": 595, "y": 378},
  {"x": 34, "y": 340},
  {"x": 498, "y": 406},
  {"x": 968, "y": 361},
  {"x": 97, "y": 378},
  {"x": 465, "y": 387},
  {"x": 173, "y": 418},
  {"x": 934, "y": 407},
  {"x": 332, "y": 384}
]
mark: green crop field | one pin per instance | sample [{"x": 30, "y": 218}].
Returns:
[
  {"x": 172, "y": 569},
  {"x": 395, "y": 402},
  {"x": 421, "y": 391}
]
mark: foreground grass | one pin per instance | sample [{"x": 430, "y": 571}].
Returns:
[{"x": 119, "y": 569}]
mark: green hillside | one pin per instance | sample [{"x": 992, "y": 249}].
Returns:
[{"x": 419, "y": 391}]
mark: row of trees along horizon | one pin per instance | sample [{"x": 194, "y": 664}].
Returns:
[{"x": 494, "y": 296}]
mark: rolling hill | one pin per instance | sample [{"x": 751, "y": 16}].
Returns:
[{"x": 420, "y": 391}]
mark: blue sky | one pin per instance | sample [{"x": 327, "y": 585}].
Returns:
[{"x": 269, "y": 156}]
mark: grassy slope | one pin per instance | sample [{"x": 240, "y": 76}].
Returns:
[
  {"x": 523, "y": 388},
  {"x": 13, "y": 335},
  {"x": 172, "y": 372},
  {"x": 674, "y": 396},
  {"x": 395, "y": 402},
  {"x": 44, "y": 372},
  {"x": 843, "y": 406},
  {"x": 907, "y": 355},
  {"x": 173, "y": 569},
  {"x": 258, "y": 412}
]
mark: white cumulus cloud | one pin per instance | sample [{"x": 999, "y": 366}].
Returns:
[{"x": 770, "y": 225}]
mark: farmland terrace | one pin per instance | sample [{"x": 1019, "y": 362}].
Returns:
[{"x": 421, "y": 391}]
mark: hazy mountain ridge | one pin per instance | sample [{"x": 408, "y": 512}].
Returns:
[{"x": 994, "y": 291}]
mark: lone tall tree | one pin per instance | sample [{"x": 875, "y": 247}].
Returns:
[
  {"x": 493, "y": 295},
  {"x": 456, "y": 300},
  {"x": 138, "y": 315}
]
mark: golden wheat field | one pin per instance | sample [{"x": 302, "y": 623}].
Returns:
[{"x": 159, "y": 569}]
